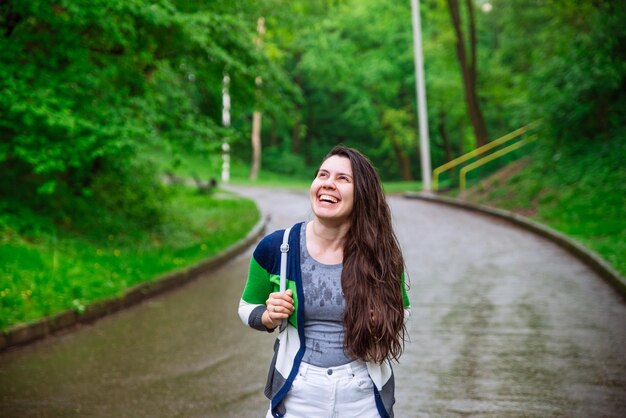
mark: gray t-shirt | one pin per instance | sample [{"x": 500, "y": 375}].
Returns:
[{"x": 323, "y": 310}]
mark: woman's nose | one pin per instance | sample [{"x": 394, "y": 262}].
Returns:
[{"x": 328, "y": 183}]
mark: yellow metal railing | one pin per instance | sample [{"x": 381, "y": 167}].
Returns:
[
  {"x": 481, "y": 150},
  {"x": 491, "y": 157}
]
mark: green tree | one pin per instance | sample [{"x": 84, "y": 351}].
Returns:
[
  {"x": 88, "y": 87},
  {"x": 579, "y": 84}
]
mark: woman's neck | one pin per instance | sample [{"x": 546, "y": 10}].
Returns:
[{"x": 324, "y": 241}]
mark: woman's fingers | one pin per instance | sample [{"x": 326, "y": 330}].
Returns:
[
  {"x": 285, "y": 296},
  {"x": 278, "y": 310},
  {"x": 280, "y": 304},
  {"x": 281, "y": 299}
]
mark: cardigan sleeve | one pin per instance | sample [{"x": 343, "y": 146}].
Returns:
[
  {"x": 405, "y": 298},
  {"x": 258, "y": 285}
]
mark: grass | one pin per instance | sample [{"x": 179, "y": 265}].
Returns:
[
  {"x": 269, "y": 179},
  {"x": 399, "y": 187},
  {"x": 52, "y": 270},
  {"x": 579, "y": 190}
]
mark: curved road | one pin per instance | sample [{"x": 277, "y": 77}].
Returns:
[{"x": 505, "y": 324}]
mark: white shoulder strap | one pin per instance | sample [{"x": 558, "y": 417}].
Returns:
[{"x": 284, "y": 249}]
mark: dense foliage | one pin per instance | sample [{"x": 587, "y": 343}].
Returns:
[
  {"x": 352, "y": 61},
  {"x": 561, "y": 61},
  {"x": 89, "y": 89}
]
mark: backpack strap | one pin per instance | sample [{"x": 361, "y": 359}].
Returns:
[{"x": 284, "y": 249}]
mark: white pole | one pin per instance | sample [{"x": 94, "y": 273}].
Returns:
[
  {"x": 226, "y": 123},
  {"x": 421, "y": 98},
  {"x": 256, "y": 115}
]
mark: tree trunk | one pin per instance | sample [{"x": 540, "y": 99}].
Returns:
[
  {"x": 468, "y": 69},
  {"x": 256, "y": 145},
  {"x": 256, "y": 116}
]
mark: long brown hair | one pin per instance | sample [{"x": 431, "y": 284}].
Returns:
[{"x": 372, "y": 269}]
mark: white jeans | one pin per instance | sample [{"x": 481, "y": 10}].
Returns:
[{"x": 335, "y": 392}]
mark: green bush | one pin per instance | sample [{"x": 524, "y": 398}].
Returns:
[{"x": 48, "y": 268}]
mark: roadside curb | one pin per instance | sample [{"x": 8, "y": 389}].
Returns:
[
  {"x": 589, "y": 257},
  {"x": 25, "y": 333}
]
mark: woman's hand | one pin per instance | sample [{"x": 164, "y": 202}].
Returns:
[{"x": 279, "y": 307}]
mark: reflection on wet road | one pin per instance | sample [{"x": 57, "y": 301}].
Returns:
[{"x": 504, "y": 324}]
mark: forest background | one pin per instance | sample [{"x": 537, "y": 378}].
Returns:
[{"x": 100, "y": 99}]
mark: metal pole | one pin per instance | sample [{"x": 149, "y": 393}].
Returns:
[{"x": 421, "y": 98}]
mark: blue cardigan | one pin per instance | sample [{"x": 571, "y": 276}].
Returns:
[{"x": 263, "y": 279}]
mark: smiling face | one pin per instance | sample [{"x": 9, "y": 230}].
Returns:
[{"x": 332, "y": 190}]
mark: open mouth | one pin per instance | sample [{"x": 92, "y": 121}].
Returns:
[{"x": 328, "y": 198}]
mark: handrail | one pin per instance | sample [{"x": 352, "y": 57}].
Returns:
[
  {"x": 491, "y": 157},
  {"x": 481, "y": 150}
]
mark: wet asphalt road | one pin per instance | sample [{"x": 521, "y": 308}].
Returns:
[{"x": 504, "y": 324}]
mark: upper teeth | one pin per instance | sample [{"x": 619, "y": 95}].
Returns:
[{"x": 328, "y": 198}]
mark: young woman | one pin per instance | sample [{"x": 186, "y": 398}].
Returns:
[{"x": 341, "y": 318}]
